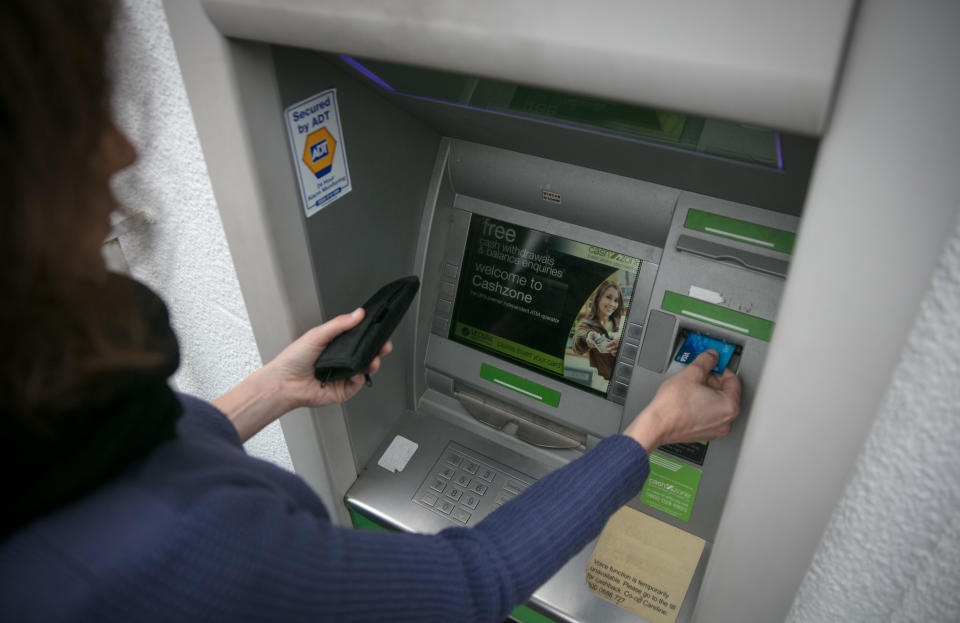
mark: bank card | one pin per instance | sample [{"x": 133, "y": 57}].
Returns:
[{"x": 696, "y": 343}]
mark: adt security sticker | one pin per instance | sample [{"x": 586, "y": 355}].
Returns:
[{"x": 319, "y": 152}]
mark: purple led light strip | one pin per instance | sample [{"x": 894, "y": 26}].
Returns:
[{"x": 369, "y": 74}]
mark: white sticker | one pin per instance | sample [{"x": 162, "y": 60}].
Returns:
[
  {"x": 319, "y": 151},
  {"x": 397, "y": 454},
  {"x": 706, "y": 295}
]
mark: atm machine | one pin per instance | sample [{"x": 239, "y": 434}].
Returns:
[
  {"x": 515, "y": 202},
  {"x": 512, "y": 248}
]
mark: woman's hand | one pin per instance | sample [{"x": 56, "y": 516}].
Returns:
[
  {"x": 287, "y": 382},
  {"x": 692, "y": 405},
  {"x": 293, "y": 367}
]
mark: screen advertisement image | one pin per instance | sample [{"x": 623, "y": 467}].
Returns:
[{"x": 544, "y": 302}]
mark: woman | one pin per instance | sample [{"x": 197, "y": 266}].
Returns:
[
  {"x": 595, "y": 333},
  {"x": 128, "y": 502}
]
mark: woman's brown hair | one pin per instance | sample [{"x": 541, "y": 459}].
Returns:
[{"x": 57, "y": 317}]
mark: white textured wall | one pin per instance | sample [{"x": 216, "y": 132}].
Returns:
[
  {"x": 174, "y": 242},
  {"x": 892, "y": 549}
]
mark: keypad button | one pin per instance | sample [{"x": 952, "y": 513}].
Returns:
[
  {"x": 461, "y": 515},
  {"x": 448, "y": 472},
  {"x": 479, "y": 488},
  {"x": 470, "y": 467},
  {"x": 463, "y": 480},
  {"x": 503, "y": 498},
  {"x": 454, "y": 459},
  {"x": 514, "y": 486},
  {"x": 438, "y": 485},
  {"x": 454, "y": 493},
  {"x": 487, "y": 474},
  {"x": 429, "y": 499},
  {"x": 445, "y": 506},
  {"x": 470, "y": 501}
]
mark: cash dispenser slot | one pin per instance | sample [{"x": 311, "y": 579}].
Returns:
[
  {"x": 723, "y": 253},
  {"x": 523, "y": 425}
]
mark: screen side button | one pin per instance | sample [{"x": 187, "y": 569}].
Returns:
[
  {"x": 447, "y": 290},
  {"x": 618, "y": 392},
  {"x": 623, "y": 372},
  {"x": 450, "y": 271},
  {"x": 441, "y": 327},
  {"x": 444, "y": 308},
  {"x": 628, "y": 353}
]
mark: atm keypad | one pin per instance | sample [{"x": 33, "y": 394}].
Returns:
[{"x": 464, "y": 486}]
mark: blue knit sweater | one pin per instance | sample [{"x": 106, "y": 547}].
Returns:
[{"x": 199, "y": 531}]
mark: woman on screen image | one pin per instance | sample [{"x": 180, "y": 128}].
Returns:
[{"x": 594, "y": 335}]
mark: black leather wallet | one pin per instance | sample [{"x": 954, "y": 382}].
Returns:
[{"x": 351, "y": 352}]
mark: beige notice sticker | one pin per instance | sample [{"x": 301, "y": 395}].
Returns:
[{"x": 644, "y": 565}]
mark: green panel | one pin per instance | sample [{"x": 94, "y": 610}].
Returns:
[
  {"x": 671, "y": 487},
  {"x": 744, "y": 324},
  {"x": 523, "y": 614},
  {"x": 742, "y": 231},
  {"x": 520, "y": 385},
  {"x": 362, "y": 522}
]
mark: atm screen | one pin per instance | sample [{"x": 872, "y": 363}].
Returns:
[{"x": 544, "y": 302}]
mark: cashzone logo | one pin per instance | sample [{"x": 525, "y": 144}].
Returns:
[{"x": 612, "y": 258}]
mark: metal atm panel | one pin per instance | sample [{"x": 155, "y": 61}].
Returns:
[{"x": 445, "y": 417}]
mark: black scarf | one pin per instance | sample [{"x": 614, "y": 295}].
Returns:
[{"x": 116, "y": 418}]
